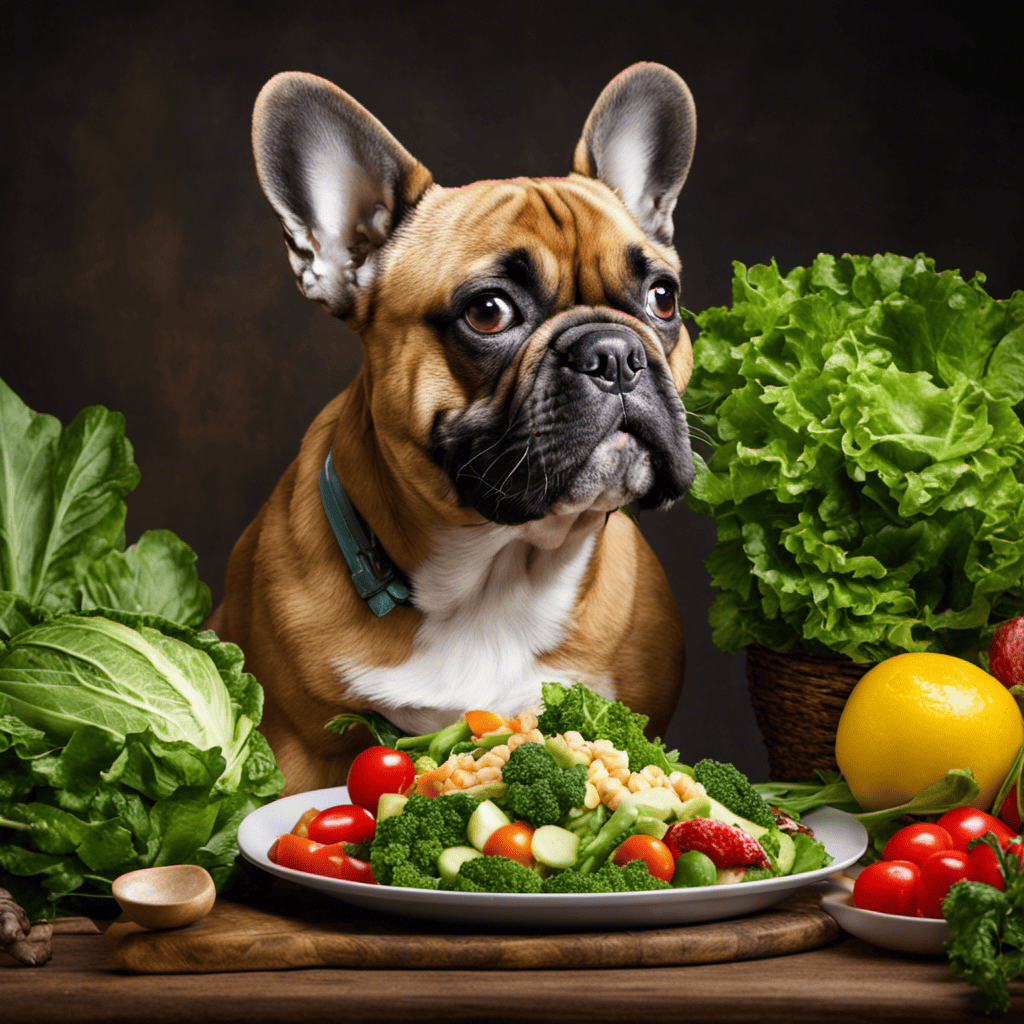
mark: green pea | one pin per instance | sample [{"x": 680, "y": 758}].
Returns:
[{"x": 694, "y": 868}]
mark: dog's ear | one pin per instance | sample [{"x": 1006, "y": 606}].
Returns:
[
  {"x": 639, "y": 141},
  {"x": 339, "y": 181}
]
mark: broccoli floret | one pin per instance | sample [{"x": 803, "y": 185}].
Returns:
[
  {"x": 406, "y": 846},
  {"x": 632, "y": 876},
  {"x": 730, "y": 787},
  {"x": 408, "y": 876},
  {"x": 574, "y": 881},
  {"x": 494, "y": 874},
  {"x": 539, "y": 790},
  {"x": 580, "y": 709}
]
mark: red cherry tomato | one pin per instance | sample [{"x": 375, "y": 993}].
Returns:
[
  {"x": 653, "y": 852},
  {"x": 982, "y": 866},
  {"x": 915, "y": 843},
  {"x": 346, "y": 823},
  {"x": 938, "y": 873},
  {"x": 1008, "y": 812},
  {"x": 334, "y": 862},
  {"x": 966, "y": 823},
  {"x": 513, "y": 841},
  {"x": 889, "y": 887},
  {"x": 379, "y": 770},
  {"x": 294, "y": 852}
]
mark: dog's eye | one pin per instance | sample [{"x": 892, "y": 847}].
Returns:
[
  {"x": 661, "y": 301},
  {"x": 490, "y": 312}
]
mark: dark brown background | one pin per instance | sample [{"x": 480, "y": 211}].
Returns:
[{"x": 145, "y": 271}]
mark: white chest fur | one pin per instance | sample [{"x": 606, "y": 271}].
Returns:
[{"x": 494, "y": 599}]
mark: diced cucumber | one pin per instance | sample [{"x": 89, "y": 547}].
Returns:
[
  {"x": 554, "y": 846},
  {"x": 725, "y": 876},
  {"x": 694, "y": 868},
  {"x": 648, "y": 826},
  {"x": 453, "y": 858},
  {"x": 560, "y": 752},
  {"x": 658, "y": 802},
  {"x": 786, "y": 855},
  {"x": 722, "y": 813},
  {"x": 484, "y": 821},
  {"x": 390, "y": 804},
  {"x": 695, "y": 807}
]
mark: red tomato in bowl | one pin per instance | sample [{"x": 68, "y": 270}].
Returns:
[
  {"x": 653, "y": 852},
  {"x": 346, "y": 823},
  {"x": 888, "y": 887},
  {"x": 966, "y": 823},
  {"x": 938, "y": 874},
  {"x": 379, "y": 770},
  {"x": 916, "y": 843}
]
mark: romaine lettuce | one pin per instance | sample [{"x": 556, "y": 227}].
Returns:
[
  {"x": 62, "y": 515},
  {"x": 868, "y": 472}
]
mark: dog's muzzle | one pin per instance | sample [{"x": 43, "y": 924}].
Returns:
[
  {"x": 613, "y": 357},
  {"x": 595, "y": 422}
]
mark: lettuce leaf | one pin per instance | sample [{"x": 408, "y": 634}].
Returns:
[
  {"x": 126, "y": 741},
  {"x": 867, "y": 478},
  {"x": 62, "y": 516}
]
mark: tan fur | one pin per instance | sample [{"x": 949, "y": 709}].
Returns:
[{"x": 289, "y": 602}]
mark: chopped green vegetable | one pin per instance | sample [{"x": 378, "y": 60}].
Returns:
[
  {"x": 957, "y": 788},
  {"x": 597, "y": 848},
  {"x": 494, "y": 874},
  {"x": 986, "y": 929},
  {"x": 539, "y": 790},
  {"x": 729, "y": 786},
  {"x": 405, "y": 849},
  {"x": 579, "y": 709},
  {"x": 867, "y": 479},
  {"x": 809, "y": 854},
  {"x": 632, "y": 876}
]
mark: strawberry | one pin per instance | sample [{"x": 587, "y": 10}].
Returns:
[
  {"x": 726, "y": 845},
  {"x": 1006, "y": 652}
]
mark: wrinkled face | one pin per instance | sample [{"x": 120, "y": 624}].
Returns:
[{"x": 548, "y": 356}]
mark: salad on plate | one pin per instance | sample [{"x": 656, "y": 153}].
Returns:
[{"x": 575, "y": 800}]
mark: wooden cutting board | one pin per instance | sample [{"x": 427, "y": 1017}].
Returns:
[{"x": 288, "y": 932}]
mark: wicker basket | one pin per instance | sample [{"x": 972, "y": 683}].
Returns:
[{"x": 797, "y": 701}]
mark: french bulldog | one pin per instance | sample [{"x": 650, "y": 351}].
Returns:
[{"x": 523, "y": 365}]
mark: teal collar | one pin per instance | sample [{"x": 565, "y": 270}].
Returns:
[{"x": 375, "y": 576}]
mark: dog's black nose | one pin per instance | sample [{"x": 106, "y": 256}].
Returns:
[{"x": 613, "y": 357}]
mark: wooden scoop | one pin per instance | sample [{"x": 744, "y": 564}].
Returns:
[{"x": 167, "y": 897}]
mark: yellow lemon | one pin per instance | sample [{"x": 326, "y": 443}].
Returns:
[{"x": 912, "y": 718}]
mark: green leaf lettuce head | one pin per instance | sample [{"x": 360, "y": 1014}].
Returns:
[
  {"x": 867, "y": 478},
  {"x": 62, "y": 516},
  {"x": 126, "y": 741}
]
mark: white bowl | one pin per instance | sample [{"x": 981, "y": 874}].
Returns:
[{"x": 923, "y": 935}]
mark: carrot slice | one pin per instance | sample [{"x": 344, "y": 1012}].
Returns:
[{"x": 480, "y": 722}]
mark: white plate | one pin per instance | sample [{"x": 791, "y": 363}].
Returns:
[
  {"x": 923, "y": 935},
  {"x": 844, "y": 838}
]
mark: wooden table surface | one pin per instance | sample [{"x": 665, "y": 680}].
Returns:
[{"x": 846, "y": 983}]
